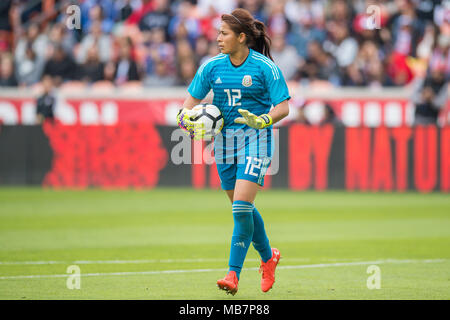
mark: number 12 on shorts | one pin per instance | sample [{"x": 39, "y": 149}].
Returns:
[{"x": 251, "y": 165}]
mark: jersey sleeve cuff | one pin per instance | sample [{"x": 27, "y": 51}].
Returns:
[
  {"x": 280, "y": 101},
  {"x": 195, "y": 95}
]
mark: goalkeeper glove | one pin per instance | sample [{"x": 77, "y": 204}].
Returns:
[
  {"x": 254, "y": 121},
  {"x": 193, "y": 128}
]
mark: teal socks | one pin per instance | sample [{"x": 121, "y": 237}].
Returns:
[{"x": 248, "y": 228}]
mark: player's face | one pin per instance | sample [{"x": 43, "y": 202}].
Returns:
[{"x": 227, "y": 40}]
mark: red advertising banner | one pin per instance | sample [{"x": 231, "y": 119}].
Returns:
[
  {"x": 141, "y": 155},
  {"x": 121, "y": 156},
  {"x": 368, "y": 112},
  {"x": 375, "y": 159}
]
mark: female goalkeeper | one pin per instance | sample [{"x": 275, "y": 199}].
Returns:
[{"x": 246, "y": 84}]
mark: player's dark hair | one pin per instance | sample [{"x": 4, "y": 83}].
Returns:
[{"x": 240, "y": 20}]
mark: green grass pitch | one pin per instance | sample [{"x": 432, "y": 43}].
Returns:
[{"x": 174, "y": 244}]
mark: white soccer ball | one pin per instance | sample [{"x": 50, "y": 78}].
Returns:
[{"x": 211, "y": 117}]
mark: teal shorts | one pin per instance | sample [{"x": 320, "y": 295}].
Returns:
[{"x": 252, "y": 169}]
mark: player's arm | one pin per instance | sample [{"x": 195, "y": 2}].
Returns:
[
  {"x": 190, "y": 102},
  {"x": 279, "y": 112}
]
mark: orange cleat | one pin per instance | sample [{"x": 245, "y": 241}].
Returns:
[
  {"x": 229, "y": 283},
  {"x": 268, "y": 270}
]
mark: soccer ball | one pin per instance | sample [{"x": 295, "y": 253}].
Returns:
[{"x": 211, "y": 117}]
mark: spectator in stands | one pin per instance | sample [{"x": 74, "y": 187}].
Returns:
[
  {"x": 398, "y": 70},
  {"x": 209, "y": 13},
  {"x": 301, "y": 116},
  {"x": 158, "y": 17},
  {"x": 59, "y": 37},
  {"x": 285, "y": 56},
  {"x": 440, "y": 56},
  {"x": 319, "y": 66},
  {"x": 186, "y": 66},
  {"x": 46, "y": 102},
  {"x": 5, "y": 26},
  {"x": 406, "y": 28},
  {"x": 209, "y": 8},
  {"x": 341, "y": 45},
  {"x": 158, "y": 48},
  {"x": 427, "y": 43},
  {"x": 201, "y": 49},
  {"x": 98, "y": 38},
  {"x": 186, "y": 72},
  {"x": 365, "y": 26},
  {"x": 109, "y": 72},
  {"x": 354, "y": 76},
  {"x": 403, "y": 35},
  {"x": 142, "y": 8},
  {"x": 427, "y": 110},
  {"x": 384, "y": 56},
  {"x": 277, "y": 22},
  {"x": 64, "y": 14},
  {"x": 184, "y": 50},
  {"x": 92, "y": 70},
  {"x": 102, "y": 11},
  {"x": 29, "y": 70},
  {"x": 311, "y": 11},
  {"x": 125, "y": 8},
  {"x": 255, "y": 7},
  {"x": 213, "y": 50},
  {"x": 126, "y": 68},
  {"x": 161, "y": 77},
  {"x": 181, "y": 33},
  {"x": 338, "y": 11},
  {"x": 431, "y": 96},
  {"x": 185, "y": 18},
  {"x": 105, "y": 13},
  {"x": 329, "y": 116},
  {"x": 7, "y": 77},
  {"x": 304, "y": 31},
  {"x": 33, "y": 38},
  {"x": 61, "y": 67},
  {"x": 367, "y": 68}
]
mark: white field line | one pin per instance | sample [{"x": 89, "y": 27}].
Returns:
[
  {"x": 304, "y": 266},
  {"x": 140, "y": 261}
]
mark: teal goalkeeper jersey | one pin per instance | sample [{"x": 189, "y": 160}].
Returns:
[{"x": 255, "y": 85}]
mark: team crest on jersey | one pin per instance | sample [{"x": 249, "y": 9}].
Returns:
[{"x": 247, "y": 81}]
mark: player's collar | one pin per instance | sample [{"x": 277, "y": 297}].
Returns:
[{"x": 250, "y": 52}]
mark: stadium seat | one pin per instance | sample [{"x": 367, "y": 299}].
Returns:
[
  {"x": 103, "y": 86},
  {"x": 73, "y": 86},
  {"x": 131, "y": 87},
  {"x": 320, "y": 84},
  {"x": 37, "y": 88}
]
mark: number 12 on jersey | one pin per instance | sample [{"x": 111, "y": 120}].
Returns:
[
  {"x": 252, "y": 163},
  {"x": 233, "y": 95}
]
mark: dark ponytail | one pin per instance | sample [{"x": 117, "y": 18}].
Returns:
[
  {"x": 240, "y": 20},
  {"x": 262, "y": 40}
]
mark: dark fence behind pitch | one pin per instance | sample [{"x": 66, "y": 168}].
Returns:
[{"x": 310, "y": 158}]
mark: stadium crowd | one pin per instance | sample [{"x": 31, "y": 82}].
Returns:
[{"x": 162, "y": 43}]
